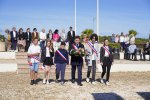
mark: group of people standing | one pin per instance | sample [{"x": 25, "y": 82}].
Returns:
[
  {"x": 48, "y": 55},
  {"x": 20, "y": 40}
]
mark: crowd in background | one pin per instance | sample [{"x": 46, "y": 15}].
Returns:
[
  {"x": 128, "y": 46},
  {"x": 20, "y": 40}
]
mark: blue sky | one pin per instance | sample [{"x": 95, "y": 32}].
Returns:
[{"x": 116, "y": 16}]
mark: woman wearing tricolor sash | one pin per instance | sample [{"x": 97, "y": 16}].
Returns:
[
  {"x": 47, "y": 59},
  {"x": 61, "y": 59},
  {"x": 92, "y": 49},
  {"x": 106, "y": 60}
]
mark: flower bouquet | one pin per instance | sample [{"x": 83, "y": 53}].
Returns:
[{"x": 78, "y": 52}]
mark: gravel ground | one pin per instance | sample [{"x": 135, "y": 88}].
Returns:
[{"x": 128, "y": 86}]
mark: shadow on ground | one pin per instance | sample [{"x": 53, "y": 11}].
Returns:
[
  {"x": 106, "y": 96},
  {"x": 144, "y": 95}
]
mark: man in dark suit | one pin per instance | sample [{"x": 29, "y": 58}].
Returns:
[
  {"x": 146, "y": 50},
  {"x": 71, "y": 35},
  {"x": 76, "y": 61},
  {"x": 28, "y": 38},
  {"x": 14, "y": 36},
  {"x": 106, "y": 60}
]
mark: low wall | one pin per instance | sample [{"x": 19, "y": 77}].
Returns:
[
  {"x": 7, "y": 55},
  {"x": 8, "y": 67}
]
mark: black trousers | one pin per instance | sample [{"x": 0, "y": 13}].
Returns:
[
  {"x": 146, "y": 53},
  {"x": 73, "y": 71},
  {"x": 27, "y": 45},
  {"x": 93, "y": 68},
  {"x": 106, "y": 68}
]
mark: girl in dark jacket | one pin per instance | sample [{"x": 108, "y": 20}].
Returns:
[{"x": 47, "y": 59}]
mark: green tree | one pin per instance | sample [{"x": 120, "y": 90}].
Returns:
[
  {"x": 86, "y": 32},
  {"x": 133, "y": 32}
]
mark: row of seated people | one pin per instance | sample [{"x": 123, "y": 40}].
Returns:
[{"x": 132, "y": 51}]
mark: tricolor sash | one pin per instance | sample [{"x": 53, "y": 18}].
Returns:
[
  {"x": 34, "y": 57},
  {"x": 92, "y": 47},
  {"x": 75, "y": 47},
  {"x": 106, "y": 50},
  {"x": 61, "y": 54}
]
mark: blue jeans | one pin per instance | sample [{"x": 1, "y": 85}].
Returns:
[
  {"x": 42, "y": 44},
  {"x": 60, "y": 68},
  {"x": 34, "y": 67}
]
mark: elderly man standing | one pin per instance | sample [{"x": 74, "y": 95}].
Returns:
[
  {"x": 14, "y": 36},
  {"x": 42, "y": 38}
]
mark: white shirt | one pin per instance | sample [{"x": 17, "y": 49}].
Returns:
[
  {"x": 47, "y": 52},
  {"x": 116, "y": 39},
  {"x": 71, "y": 33},
  {"x": 132, "y": 40},
  {"x": 106, "y": 53},
  {"x": 126, "y": 40},
  {"x": 14, "y": 34},
  {"x": 34, "y": 49},
  {"x": 42, "y": 36},
  {"x": 93, "y": 54},
  {"x": 63, "y": 36},
  {"x": 121, "y": 38},
  {"x": 50, "y": 35}
]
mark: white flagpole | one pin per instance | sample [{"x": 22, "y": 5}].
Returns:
[
  {"x": 75, "y": 18},
  {"x": 97, "y": 26}
]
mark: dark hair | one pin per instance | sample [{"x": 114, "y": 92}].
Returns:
[
  {"x": 70, "y": 27},
  {"x": 34, "y": 29},
  {"x": 20, "y": 30},
  {"x": 77, "y": 37},
  {"x": 104, "y": 41},
  {"x": 63, "y": 43},
  {"x": 27, "y": 29},
  {"x": 56, "y": 31},
  {"x": 94, "y": 35}
]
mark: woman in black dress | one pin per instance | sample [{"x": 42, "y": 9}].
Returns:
[
  {"x": 47, "y": 59},
  {"x": 21, "y": 40}
]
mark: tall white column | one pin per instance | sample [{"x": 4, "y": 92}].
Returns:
[
  {"x": 75, "y": 20},
  {"x": 97, "y": 25}
]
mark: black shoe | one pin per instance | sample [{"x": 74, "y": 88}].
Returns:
[
  {"x": 73, "y": 81},
  {"x": 32, "y": 82},
  {"x": 56, "y": 81},
  {"x": 80, "y": 84},
  {"x": 35, "y": 81}
]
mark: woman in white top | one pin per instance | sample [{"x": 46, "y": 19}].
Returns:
[
  {"x": 132, "y": 39},
  {"x": 42, "y": 38},
  {"x": 63, "y": 36},
  {"x": 121, "y": 40},
  {"x": 117, "y": 39},
  {"x": 47, "y": 59}
]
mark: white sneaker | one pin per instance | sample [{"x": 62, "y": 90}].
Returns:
[
  {"x": 107, "y": 83},
  {"x": 93, "y": 83},
  {"x": 102, "y": 81},
  {"x": 47, "y": 82},
  {"x": 44, "y": 81},
  {"x": 87, "y": 80}
]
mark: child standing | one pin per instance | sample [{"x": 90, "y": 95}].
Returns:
[
  {"x": 47, "y": 59},
  {"x": 61, "y": 60},
  {"x": 33, "y": 54}
]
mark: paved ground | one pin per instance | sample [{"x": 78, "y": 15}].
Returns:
[{"x": 128, "y": 86}]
